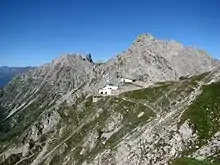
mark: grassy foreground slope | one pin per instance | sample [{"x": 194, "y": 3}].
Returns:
[
  {"x": 188, "y": 161},
  {"x": 204, "y": 113},
  {"x": 86, "y": 129}
]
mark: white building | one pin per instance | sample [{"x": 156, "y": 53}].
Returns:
[
  {"x": 96, "y": 98},
  {"x": 112, "y": 87},
  {"x": 126, "y": 80},
  {"x": 107, "y": 90}
]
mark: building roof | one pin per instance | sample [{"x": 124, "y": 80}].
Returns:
[
  {"x": 107, "y": 85},
  {"x": 129, "y": 78}
]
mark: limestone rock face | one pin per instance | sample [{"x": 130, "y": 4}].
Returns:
[
  {"x": 47, "y": 115},
  {"x": 151, "y": 60}
]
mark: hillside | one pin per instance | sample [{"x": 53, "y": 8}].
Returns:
[{"x": 47, "y": 116}]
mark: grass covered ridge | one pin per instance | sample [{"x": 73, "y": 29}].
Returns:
[
  {"x": 204, "y": 113},
  {"x": 189, "y": 161},
  {"x": 150, "y": 94}
]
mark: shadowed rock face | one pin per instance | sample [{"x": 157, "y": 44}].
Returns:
[{"x": 48, "y": 117}]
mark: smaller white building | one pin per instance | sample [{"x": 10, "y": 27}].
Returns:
[
  {"x": 107, "y": 90},
  {"x": 96, "y": 98},
  {"x": 126, "y": 80}
]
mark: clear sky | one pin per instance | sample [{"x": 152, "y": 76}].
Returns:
[{"x": 33, "y": 32}]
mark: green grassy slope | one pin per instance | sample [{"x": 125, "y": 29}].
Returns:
[
  {"x": 204, "y": 113},
  {"x": 188, "y": 161}
]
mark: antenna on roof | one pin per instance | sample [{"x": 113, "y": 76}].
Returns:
[{"x": 108, "y": 82}]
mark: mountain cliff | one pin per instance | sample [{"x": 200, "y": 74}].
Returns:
[
  {"x": 152, "y": 60},
  {"x": 47, "y": 116}
]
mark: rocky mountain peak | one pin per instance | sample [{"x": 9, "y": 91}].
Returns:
[
  {"x": 70, "y": 59},
  {"x": 145, "y": 36}
]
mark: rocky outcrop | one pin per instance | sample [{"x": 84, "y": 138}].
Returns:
[{"x": 152, "y": 60}]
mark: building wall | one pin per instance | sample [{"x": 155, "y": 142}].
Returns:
[
  {"x": 111, "y": 87},
  {"x": 105, "y": 91},
  {"x": 126, "y": 80},
  {"x": 96, "y": 99}
]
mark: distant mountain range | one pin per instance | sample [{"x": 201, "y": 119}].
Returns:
[{"x": 7, "y": 73}]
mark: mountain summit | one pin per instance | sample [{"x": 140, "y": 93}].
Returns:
[
  {"x": 165, "y": 109},
  {"x": 153, "y": 60}
]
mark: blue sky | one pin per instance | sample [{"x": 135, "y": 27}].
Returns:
[{"x": 33, "y": 32}]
